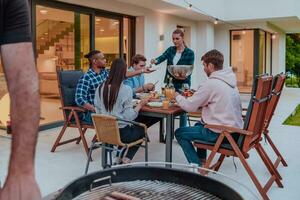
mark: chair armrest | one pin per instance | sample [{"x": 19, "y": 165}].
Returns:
[
  {"x": 229, "y": 129},
  {"x": 134, "y": 123},
  {"x": 76, "y": 108}
]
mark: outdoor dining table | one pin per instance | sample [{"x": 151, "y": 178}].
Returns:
[{"x": 168, "y": 114}]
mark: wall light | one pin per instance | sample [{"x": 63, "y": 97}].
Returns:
[
  {"x": 161, "y": 37},
  {"x": 244, "y": 32},
  {"x": 273, "y": 36}
]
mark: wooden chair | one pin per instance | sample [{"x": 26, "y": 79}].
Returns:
[
  {"x": 108, "y": 136},
  {"x": 196, "y": 115},
  {"x": 277, "y": 88},
  {"x": 67, "y": 83},
  {"x": 238, "y": 142}
]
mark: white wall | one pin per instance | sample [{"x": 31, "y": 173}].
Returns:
[{"x": 278, "y": 54}]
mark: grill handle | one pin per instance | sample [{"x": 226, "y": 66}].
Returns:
[{"x": 99, "y": 180}]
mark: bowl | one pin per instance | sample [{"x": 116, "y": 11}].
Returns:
[{"x": 180, "y": 72}]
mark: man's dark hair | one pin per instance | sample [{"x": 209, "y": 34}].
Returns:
[
  {"x": 91, "y": 54},
  {"x": 214, "y": 57},
  {"x": 137, "y": 58}
]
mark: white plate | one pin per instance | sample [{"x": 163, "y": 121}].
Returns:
[{"x": 155, "y": 104}]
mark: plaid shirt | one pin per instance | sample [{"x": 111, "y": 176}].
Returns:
[
  {"x": 187, "y": 58},
  {"x": 87, "y": 85}
]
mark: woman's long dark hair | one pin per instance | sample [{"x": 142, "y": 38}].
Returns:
[{"x": 112, "y": 85}]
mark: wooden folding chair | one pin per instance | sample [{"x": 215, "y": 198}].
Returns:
[
  {"x": 108, "y": 137},
  {"x": 67, "y": 83},
  {"x": 238, "y": 142},
  {"x": 196, "y": 115},
  {"x": 277, "y": 88}
]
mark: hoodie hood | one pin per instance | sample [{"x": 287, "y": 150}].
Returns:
[{"x": 225, "y": 75}]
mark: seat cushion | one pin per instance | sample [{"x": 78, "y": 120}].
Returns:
[{"x": 225, "y": 144}]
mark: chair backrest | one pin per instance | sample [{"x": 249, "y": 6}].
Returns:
[
  {"x": 257, "y": 110},
  {"x": 107, "y": 129},
  {"x": 277, "y": 87},
  {"x": 67, "y": 83}
]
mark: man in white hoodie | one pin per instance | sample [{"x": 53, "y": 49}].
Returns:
[{"x": 220, "y": 102}]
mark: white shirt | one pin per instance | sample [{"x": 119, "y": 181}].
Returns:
[{"x": 176, "y": 58}]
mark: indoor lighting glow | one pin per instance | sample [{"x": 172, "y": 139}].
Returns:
[
  {"x": 44, "y": 12},
  {"x": 243, "y": 32},
  {"x": 98, "y": 19},
  {"x": 102, "y": 30},
  {"x": 273, "y": 36}
]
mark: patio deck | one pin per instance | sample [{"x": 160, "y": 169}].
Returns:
[{"x": 55, "y": 170}]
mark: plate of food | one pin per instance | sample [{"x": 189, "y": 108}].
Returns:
[{"x": 155, "y": 104}]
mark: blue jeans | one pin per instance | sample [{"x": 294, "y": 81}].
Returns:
[
  {"x": 178, "y": 86},
  {"x": 87, "y": 117},
  {"x": 186, "y": 135}
]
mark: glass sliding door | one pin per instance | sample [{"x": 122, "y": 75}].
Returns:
[
  {"x": 4, "y": 98},
  {"x": 262, "y": 52},
  {"x": 107, "y": 38},
  {"x": 268, "y": 53},
  {"x": 242, "y": 56},
  {"x": 128, "y": 39},
  {"x": 62, "y": 38}
]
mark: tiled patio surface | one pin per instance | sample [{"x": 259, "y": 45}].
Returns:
[{"x": 55, "y": 170}]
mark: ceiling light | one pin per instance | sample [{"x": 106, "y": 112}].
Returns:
[
  {"x": 189, "y": 7},
  {"x": 102, "y": 30},
  {"x": 274, "y": 36},
  {"x": 98, "y": 19},
  {"x": 44, "y": 12},
  {"x": 216, "y": 21},
  {"x": 243, "y": 32}
]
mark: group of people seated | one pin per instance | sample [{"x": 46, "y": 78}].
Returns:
[{"x": 111, "y": 92}]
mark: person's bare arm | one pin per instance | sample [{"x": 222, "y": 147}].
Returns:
[{"x": 23, "y": 87}]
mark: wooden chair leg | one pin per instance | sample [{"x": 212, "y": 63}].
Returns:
[
  {"x": 270, "y": 167},
  {"x": 237, "y": 151},
  {"x": 270, "y": 162},
  {"x": 219, "y": 162},
  {"x": 79, "y": 139},
  {"x": 59, "y": 137},
  {"x": 81, "y": 134},
  {"x": 213, "y": 153},
  {"x": 279, "y": 156}
]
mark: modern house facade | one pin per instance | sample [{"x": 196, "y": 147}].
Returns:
[{"x": 250, "y": 34}]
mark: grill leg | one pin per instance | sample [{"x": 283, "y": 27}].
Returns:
[{"x": 146, "y": 149}]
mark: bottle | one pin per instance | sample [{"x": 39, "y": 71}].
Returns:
[{"x": 171, "y": 85}]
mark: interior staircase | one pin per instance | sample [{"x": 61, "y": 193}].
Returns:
[{"x": 50, "y": 32}]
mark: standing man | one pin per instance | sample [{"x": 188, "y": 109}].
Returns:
[{"x": 22, "y": 81}]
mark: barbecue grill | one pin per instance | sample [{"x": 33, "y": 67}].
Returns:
[{"x": 147, "y": 182}]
